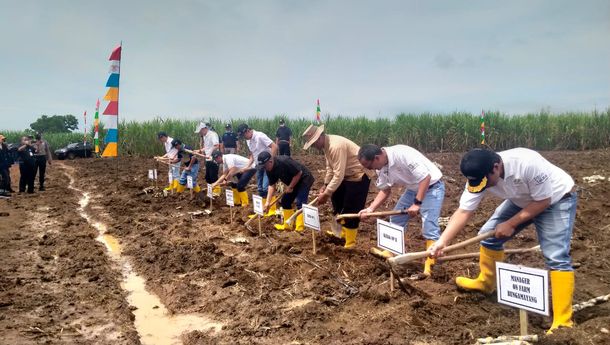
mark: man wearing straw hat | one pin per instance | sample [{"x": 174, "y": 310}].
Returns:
[
  {"x": 238, "y": 167},
  {"x": 534, "y": 192},
  {"x": 258, "y": 142},
  {"x": 424, "y": 194},
  {"x": 345, "y": 183}
]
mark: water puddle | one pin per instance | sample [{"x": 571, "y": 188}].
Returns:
[{"x": 152, "y": 320}]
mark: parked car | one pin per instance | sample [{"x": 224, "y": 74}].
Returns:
[{"x": 74, "y": 150}]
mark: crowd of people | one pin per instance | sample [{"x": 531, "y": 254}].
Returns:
[
  {"x": 32, "y": 154},
  {"x": 534, "y": 192}
]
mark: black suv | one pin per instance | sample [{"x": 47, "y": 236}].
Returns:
[{"x": 74, "y": 150}]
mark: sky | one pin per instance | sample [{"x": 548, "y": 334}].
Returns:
[{"x": 195, "y": 59}]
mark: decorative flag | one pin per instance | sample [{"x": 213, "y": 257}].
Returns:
[
  {"x": 318, "y": 113},
  {"x": 112, "y": 109},
  {"x": 482, "y": 127},
  {"x": 96, "y": 122},
  {"x": 85, "y": 137}
]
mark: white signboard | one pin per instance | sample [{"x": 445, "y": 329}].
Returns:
[
  {"x": 151, "y": 174},
  {"x": 523, "y": 287},
  {"x": 189, "y": 182},
  {"x": 257, "y": 204},
  {"x": 311, "y": 217},
  {"x": 229, "y": 197},
  {"x": 210, "y": 191},
  {"x": 170, "y": 177},
  {"x": 391, "y": 237}
]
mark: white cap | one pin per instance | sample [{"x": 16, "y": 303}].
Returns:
[{"x": 200, "y": 126}]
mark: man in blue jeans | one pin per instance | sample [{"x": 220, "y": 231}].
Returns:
[
  {"x": 191, "y": 167},
  {"x": 298, "y": 181},
  {"x": 535, "y": 191},
  {"x": 403, "y": 165},
  {"x": 258, "y": 142}
]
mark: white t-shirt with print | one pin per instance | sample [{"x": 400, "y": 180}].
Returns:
[
  {"x": 407, "y": 167},
  {"x": 258, "y": 144},
  {"x": 527, "y": 177}
]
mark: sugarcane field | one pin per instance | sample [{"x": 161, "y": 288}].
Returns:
[{"x": 287, "y": 172}]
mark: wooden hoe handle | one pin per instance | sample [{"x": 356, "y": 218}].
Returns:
[
  {"x": 372, "y": 214},
  {"x": 401, "y": 259},
  {"x": 294, "y": 216}
]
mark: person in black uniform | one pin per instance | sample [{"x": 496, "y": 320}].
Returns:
[
  {"x": 27, "y": 165},
  {"x": 229, "y": 142},
  {"x": 5, "y": 164},
  {"x": 283, "y": 138}
]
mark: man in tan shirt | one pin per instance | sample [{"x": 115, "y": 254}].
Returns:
[{"x": 345, "y": 183}]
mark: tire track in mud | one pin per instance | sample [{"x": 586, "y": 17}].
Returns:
[{"x": 152, "y": 320}]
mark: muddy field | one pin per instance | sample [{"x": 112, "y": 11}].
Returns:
[{"x": 57, "y": 284}]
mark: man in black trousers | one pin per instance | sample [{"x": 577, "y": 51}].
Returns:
[
  {"x": 42, "y": 156},
  {"x": 27, "y": 165}
]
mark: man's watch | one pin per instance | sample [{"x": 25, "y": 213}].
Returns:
[{"x": 416, "y": 201}]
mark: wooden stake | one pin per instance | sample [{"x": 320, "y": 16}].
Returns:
[
  {"x": 313, "y": 238},
  {"x": 231, "y": 213},
  {"x": 391, "y": 281},
  {"x": 260, "y": 230},
  {"x": 523, "y": 322}
]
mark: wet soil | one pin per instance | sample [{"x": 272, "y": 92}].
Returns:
[{"x": 272, "y": 289}]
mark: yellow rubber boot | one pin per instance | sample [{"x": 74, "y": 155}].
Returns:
[
  {"x": 216, "y": 191},
  {"x": 169, "y": 187},
  {"x": 350, "y": 237},
  {"x": 175, "y": 184},
  {"x": 562, "y": 289},
  {"x": 236, "y": 197},
  {"x": 486, "y": 281},
  {"x": 243, "y": 199},
  {"x": 429, "y": 261},
  {"x": 180, "y": 188},
  {"x": 285, "y": 226},
  {"x": 197, "y": 189},
  {"x": 300, "y": 223}
]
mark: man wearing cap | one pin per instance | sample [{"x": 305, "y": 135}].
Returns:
[
  {"x": 191, "y": 166},
  {"x": 238, "y": 167},
  {"x": 209, "y": 142},
  {"x": 171, "y": 154},
  {"x": 345, "y": 183},
  {"x": 298, "y": 181},
  {"x": 283, "y": 138},
  {"x": 5, "y": 165},
  {"x": 229, "y": 144},
  {"x": 258, "y": 142},
  {"x": 403, "y": 165},
  {"x": 535, "y": 191}
]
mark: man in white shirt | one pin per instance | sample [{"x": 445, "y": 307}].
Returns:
[
  {"x": 535, "y": 191},
  {"x": 235, "y": 166},
  {"x": 209, "y": 142},
  {"x": 172, "y": 154},
  {"x": 405, "y": 166},
  {"x": 258, "y": 142}
]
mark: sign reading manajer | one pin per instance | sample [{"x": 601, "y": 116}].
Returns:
[
  {"x": 311, "y": 217},
  {"x": 523, "y": 287},
  {"x": 390, "y": 236}
]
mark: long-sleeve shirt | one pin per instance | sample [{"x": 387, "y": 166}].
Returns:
[
  {"x": 341, "y": 162},
  {"x": 43, "y": 149}
]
